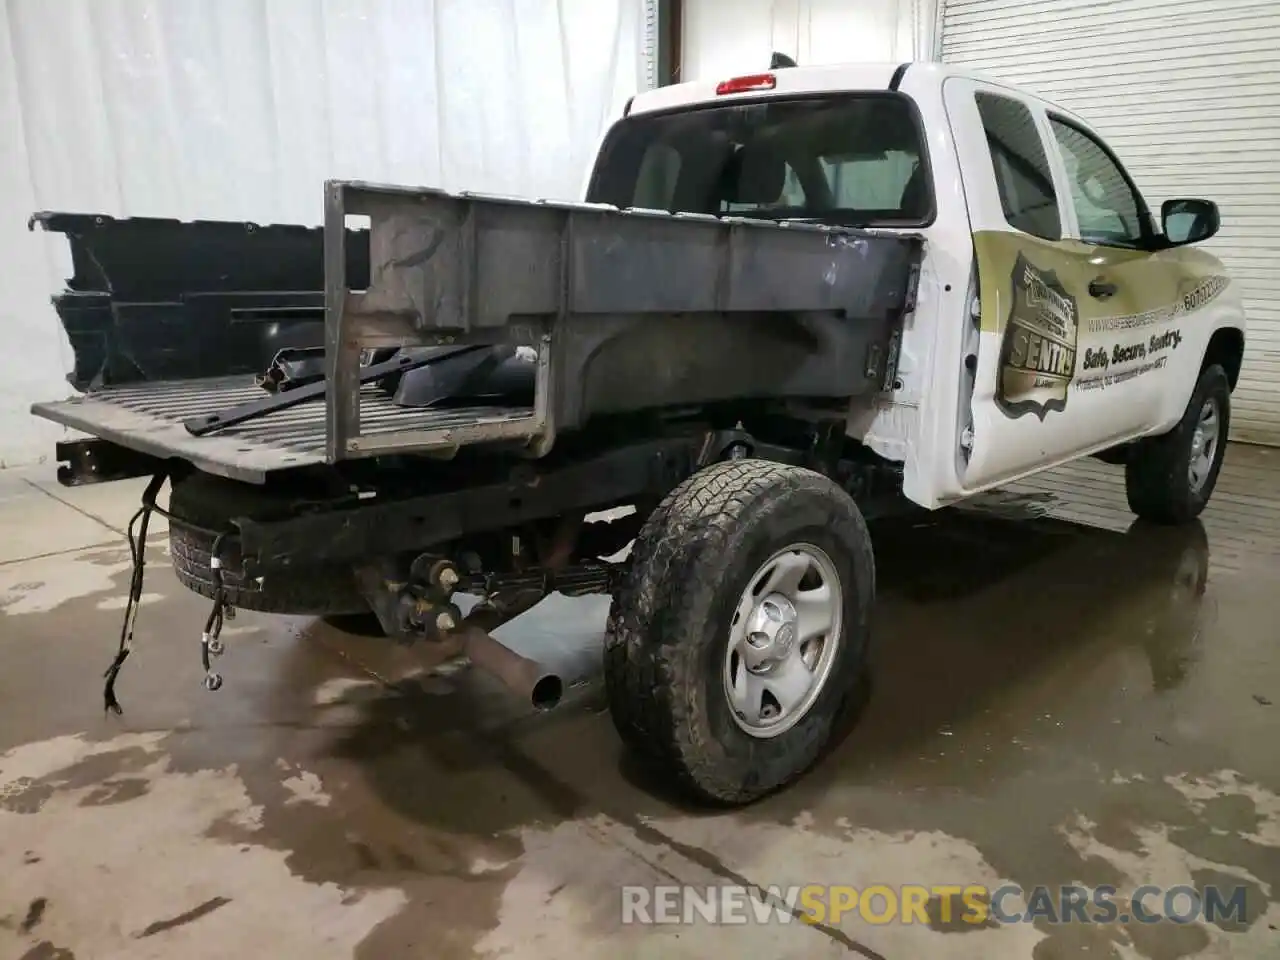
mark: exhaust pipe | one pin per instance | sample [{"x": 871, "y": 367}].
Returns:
[{"x": 523, "y": 676}]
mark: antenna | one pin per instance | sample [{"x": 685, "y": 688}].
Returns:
[{"x": 780, "y": 60}]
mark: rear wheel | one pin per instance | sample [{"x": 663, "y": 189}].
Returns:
[
  {"x": 1169, "y": 479},
  {"x": 741, "y": 628}
]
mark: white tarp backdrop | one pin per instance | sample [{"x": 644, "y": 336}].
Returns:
[{"x": 240, "y": 109}]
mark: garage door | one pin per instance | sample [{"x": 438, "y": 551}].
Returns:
[{"x": 1188, "y": 93}]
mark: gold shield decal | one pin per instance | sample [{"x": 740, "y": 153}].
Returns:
[{"x": 1038, "y": 351}]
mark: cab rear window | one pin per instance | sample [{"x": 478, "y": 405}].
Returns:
[{"x": 850, "y": 159}]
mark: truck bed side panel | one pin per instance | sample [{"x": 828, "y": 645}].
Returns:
[{"x": 639, "y": 308}]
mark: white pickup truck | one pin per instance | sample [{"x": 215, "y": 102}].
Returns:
[{"x": 788, "y": 301}]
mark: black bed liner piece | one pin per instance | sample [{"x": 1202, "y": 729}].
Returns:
[
  {"x": 153, "y": 299},
  {"x": 627, "y": 310}
]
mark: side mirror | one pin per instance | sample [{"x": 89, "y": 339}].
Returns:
[{"x": 1189, "y": 221}]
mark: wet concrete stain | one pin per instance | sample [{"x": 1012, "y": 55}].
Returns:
[
  {"x": 1239, "y": 902},
  {"x": 952, "y": 914},
  {"x": 365, "y": 858},
  {"x": 44, "y": 950},
  {"x": 24, "y": 795},
  {"x": 717, "y": 867},
  {"x": 49, "y": 582},
  {"x": 116, "y": 790},
  {"x": 424, "y": 786},
  {"x": 148, "y": 843},
  {"x": 190, "y": 916},
  {"x": 1167, "y": 941},
  {"x": 35, "y": 913},
  {"x": 1069, "y": 943},
  {"x": 100, "y": 772},
  {"x": 1018, "y": 846},
  {"x": 379, "y": 743}
]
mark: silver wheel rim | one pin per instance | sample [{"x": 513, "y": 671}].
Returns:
[
  {"x": 1204, "y": 445},
  {"x": 783, "y": 640}
]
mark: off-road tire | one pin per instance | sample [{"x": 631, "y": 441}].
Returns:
[
  {"x": 1156, "y": 477},
  {"x": 200, "y": 504},
  {"x": 669, "y": 625}
]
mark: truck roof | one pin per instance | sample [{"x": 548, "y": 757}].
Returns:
[{"x": 792, "y": 81}]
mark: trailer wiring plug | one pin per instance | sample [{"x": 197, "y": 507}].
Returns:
[
  {"x": 137, "y": 553},
  {"x": 210, "y": 643}
]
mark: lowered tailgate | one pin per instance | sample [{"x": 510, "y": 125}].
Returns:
[{"x": 149, "y": 418}]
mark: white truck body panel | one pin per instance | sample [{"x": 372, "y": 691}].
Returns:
[{"x": 1154, "y": 339}]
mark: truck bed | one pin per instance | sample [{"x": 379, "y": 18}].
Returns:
[{"x": 627, "y": 310}]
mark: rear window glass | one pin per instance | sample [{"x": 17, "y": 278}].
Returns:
[{"x": 854, "y": 160}]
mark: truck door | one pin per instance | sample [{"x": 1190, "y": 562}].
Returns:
[
  {"x": 1046, "y": 302},
  {"x": 1131, "y": 333}
]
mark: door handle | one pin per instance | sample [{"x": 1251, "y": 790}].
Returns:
[{"x": 1101, "y": 289}]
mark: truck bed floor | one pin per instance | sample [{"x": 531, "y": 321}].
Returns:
[{"x": 149, "y": 418}]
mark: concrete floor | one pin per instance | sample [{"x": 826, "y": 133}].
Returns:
[{"x": 1054, "y": 703}]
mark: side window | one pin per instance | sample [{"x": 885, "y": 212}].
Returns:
[
  {"x": 1021, "y": 166},
  {"x": 1105, "y": 204}
]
